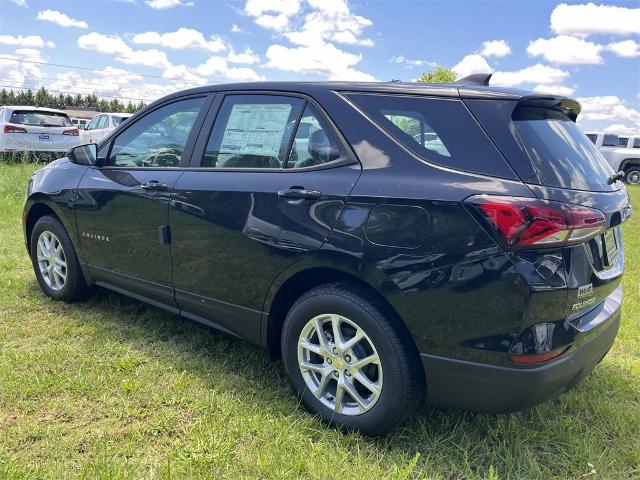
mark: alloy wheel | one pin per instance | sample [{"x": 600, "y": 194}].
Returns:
[
  {"x": 633, "y": 177},
  {"x": 52, "y": 261},
  {"x": 339, "y": 364}
]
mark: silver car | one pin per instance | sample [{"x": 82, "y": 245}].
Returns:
[{"x": 44, "y": 132}]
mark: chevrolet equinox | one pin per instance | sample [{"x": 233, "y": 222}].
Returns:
[{"x": 389, "y": 241}]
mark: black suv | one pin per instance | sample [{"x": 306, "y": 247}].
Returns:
[{"x": 389, "y": 241}]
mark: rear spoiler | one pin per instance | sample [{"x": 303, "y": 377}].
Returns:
[{"x": 568, "y": 106}]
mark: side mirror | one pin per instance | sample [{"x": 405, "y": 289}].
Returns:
[{"x": 84, "y": 154}]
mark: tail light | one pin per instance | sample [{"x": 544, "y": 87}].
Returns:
[
  {"x": 73, "y": 131},
  {"x": 531, "y": 358},
  {"x": 14, "y": 129},
  {"x": 533, "y": 223}
]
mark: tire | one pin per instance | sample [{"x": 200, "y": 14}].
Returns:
[
  {"x": 632, "y": 175},
  {"x": 396, "y": 379},
  {"x": 73, "y": 286}
]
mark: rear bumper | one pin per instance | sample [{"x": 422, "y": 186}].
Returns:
[{"x": 495, "y": 389}]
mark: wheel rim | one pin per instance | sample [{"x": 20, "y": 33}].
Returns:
[
  {"x": 633, "y": 177},
  {"x": 339, "y": 364},
  {"x": 52, "y": 261}
]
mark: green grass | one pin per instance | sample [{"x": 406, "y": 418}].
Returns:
[{"x": 112, "y": 388}]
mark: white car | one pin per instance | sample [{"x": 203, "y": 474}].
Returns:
[
  {"x": 43, "y": 132},
  {"x": 621, "y": 155},
  {"x": 102, "y": 125}
]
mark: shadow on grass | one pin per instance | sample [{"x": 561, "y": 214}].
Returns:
[{"x": 444, "y": 435}]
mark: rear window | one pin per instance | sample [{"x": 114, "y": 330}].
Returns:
[
  {"x": 563, "y": 156},
  {"x": 40, "y": 119},
  {"x": 440, "y": 131}
]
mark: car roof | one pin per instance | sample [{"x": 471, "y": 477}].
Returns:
[{"x": 29, "y": 107}]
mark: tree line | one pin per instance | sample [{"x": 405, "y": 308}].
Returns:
[{"x": 42, "y": 98}]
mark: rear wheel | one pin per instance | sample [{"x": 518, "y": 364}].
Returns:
[
  {"x": 350, "y": 360},
  {"x": 55, "y": 262},
  {"x": 633, "y": 175}
]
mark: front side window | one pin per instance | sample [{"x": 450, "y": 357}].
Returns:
[
  {"x": 610, "y": 140},
  {"x": 104, "y": 122},
  {"x": 93, "y": 124},
  {"x": 158, "y": 139},
  {"x": 252, "y": 131},
  {"x": 314, "y": 143},
  {"x": 439, "y": 130}
]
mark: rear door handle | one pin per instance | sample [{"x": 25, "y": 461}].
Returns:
[
  {"x": 154, "y": 186},
  {"x": 299, "y": 192}
]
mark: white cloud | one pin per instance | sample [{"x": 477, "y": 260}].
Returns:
[
  {"x": 410, "y": 63},
  {"x": 61, "y": 19},
  {"x": 184, "y": 74},
  {"x": 566, "y": 50},
  {"x": 538, "y": 73},
  {"x": 625, "y": 48},
  {"x": 218, "y": 67},
  {"x": 115, "y": 46},
  {"x": 181, "y": 38},
  {"x": 610, "y": 108},
  {"x": 20, "y": 74},
  {"x": 31, "y": 54},
  {"x": 470, "y": 64},
  {"x": 20, "y": 3},
  {"x": 30, "y": 41},
  {"x": 621, "y": 129},
  {"x": 326, "y": 60},
  {"x": 495, "y": 48},
  {"x": 247, "y": 57},
  {"x": 562, "y": 90},
  {"x": 272, "y": 14},
  {"x": 592, "y": 19},
  {"x": 236, "y": 29},
  {"x": 165, "y": 4}
]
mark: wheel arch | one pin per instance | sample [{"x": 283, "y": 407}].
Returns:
[
  {"x": 288, "y": 288},
  {"x": 629, "y": 162},
  {"x": 36, "y": 209}
]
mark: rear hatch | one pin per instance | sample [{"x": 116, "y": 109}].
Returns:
[
  {"x": 540, "y": 139},
  {"x": 31, "y": 129}
]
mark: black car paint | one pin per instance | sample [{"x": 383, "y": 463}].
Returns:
[{"x": 461, "y": 296}]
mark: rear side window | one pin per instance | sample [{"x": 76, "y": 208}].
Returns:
[
  {"x": 438, "y": 130},
  {"x": 610, "y": 140},
  {"x": 37, "y": 118},
  {"x": 252, "y": 131},
  {"x": 563, "y": 156},
  {"x": 592, "y": 137},
  {"x": 314, "y": 143},
  {"x": 636, "y": 142},
  {"x": 118, "y": 120},
  {"x": 622, "y": 141}
]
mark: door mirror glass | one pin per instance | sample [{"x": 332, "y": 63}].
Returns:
[{"x": 84, "y": 154}]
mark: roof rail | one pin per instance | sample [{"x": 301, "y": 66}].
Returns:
[{"x": 475, "y": 79}]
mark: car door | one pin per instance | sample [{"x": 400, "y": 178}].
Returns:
[
  {"x": 89, "y": 132},
  {"x": 257, "y": 198},
  {"x": 122, "y": 206}
]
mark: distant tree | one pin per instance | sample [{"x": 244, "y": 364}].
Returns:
[
  {"x": 103, "y": 105},
  {"x": 438, "y": 75},
  {"x": 43, "y": 99}
]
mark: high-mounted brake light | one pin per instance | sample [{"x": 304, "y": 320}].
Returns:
[
  {"x": 13, "y": 129},
  {"x": 533, "y": 223},
  {"x": 74, "y": 131}
]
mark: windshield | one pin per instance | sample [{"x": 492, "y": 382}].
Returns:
[
  {"x": 36, "y": 118},
  {"x": 563, "y": 155},
  {"x": 118, "y": 120}
]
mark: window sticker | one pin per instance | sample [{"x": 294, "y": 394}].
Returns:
[{"x": 255, "y": 129}]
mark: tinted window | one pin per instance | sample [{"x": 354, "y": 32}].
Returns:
[
  {"x": 40, "y": 119},
  {"x": 593, "y": 137},
  {"x": 610, "y": 140},
  {"x": 104, "y": 122},
  {"x": 252, "y": 131},
  {"x": 314, "y": 142},
  {"x": 636, "y": 142},
  {"x": 117, "y": 120},
  {"x": 157, "y": 139},
  {"x": 562, "y": 154},
  {"x": 439, "y": 130},
  {"x": 622, "y": 141}
]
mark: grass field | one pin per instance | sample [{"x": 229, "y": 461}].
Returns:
[{"x": 112, "y": 388}]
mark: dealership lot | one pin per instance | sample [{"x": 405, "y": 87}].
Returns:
[{"x": 114, "y": 389}]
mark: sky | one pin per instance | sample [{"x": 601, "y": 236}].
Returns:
[{"x": 140, "y": 50}]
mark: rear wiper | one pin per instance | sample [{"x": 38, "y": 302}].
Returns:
[{"x": 615, "y": 177}]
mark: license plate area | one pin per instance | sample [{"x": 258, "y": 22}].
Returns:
[
  {"x": 43, "y": 136},
  {"x": 610, "y": 247}
]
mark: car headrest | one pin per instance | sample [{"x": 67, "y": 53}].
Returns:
[{"x": 320, "y": 147}]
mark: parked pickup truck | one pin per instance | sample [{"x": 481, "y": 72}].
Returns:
[{"x": 622, "y": 153}]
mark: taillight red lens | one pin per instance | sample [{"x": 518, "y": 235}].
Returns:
[
  {"x": 530, "y": 358},
  {"x": 14, "y": 129},
  {"x": 530, "y": 222},
  {"x": 74, "y": 131}
]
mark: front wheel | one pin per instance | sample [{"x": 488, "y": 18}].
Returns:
[
  {"x": 350, "y": 360},
  {"x": 55, "y": 262},
  {"x": 633, "y": 175}
]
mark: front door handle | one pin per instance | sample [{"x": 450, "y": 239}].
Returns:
[
  {"x": 300, "y": 192},
  {"x": 154, "y": 186}
]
